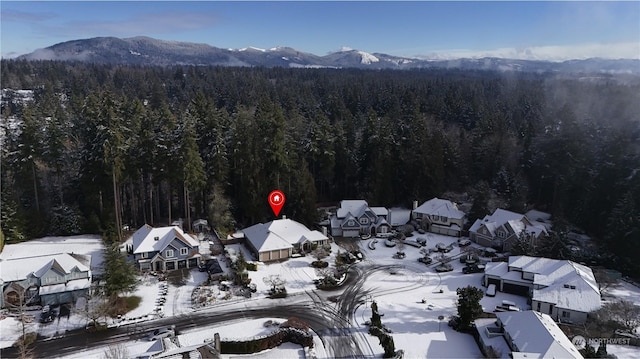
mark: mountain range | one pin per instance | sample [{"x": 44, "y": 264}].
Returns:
[{"x": 148, "y": 51}]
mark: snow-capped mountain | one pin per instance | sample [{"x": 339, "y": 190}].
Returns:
[{"x": 147, "y": 51}]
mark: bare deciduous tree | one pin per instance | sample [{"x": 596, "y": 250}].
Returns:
[
  {"x": 26, "y": 336},
  {"x": 320, "y": 253},
  {"x": 275, "y": 281},
  {"x": 116, "y": 351}
]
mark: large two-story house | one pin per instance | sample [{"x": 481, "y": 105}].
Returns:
[
  {"x": 503, "y": 227},
  {"x": 565, "y": 290},
  {"x": 45, "y": 279},
  {"x": 440, "y": 216},
  {"x": 165, "y": 248},
  {"x": 354, "y": 218}
]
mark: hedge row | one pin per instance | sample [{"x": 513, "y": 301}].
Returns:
[{"x": 283, "y": 335}]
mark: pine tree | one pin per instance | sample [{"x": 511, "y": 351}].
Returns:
[
  {"x": 194, "y": 176},
  {"x": 119, "y": 274},
  {"x": 469, "y": 308}
]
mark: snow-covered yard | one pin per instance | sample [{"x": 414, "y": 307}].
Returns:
[{"x": 418, "y": 327}]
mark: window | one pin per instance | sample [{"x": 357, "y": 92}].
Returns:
[
  {"x": 184, "y": 251},
  {"x": 169, "y": 253},
  {"x": 501, "y": 234},
  {"x": 538, "y": 306},
  {"x": 143, "y": 255},
  {"x": 435, "y": 218},
  {"x": 566, "y": 314},
  {"x": 351, "y": 223},
  {"x": 443, "y": 219},
  {"x": 364, "y": 220}
]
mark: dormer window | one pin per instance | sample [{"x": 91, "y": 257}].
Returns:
[
  {"x": 500, "y": 234},
  {"x": 351, "y": 223},
  {"x": 184, "y": 251},
  {"x": 364, "y": 220},
  {"x": 169, "y": 253}
]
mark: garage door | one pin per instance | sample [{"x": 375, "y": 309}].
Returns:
[
  {"x": 515, "y": 289},
  {"x": 351, "y": 233}
]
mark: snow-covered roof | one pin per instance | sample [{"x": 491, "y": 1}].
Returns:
[
  {"x": 76, "y": 284},
  {"x": 564, "y": 283},
  {"x": 18, "y": 269},
  {"x": 516, "y": 221},
  {"x": 537, "y": 334},
  {"x": 200, "y": 221},
  {"x": 539, "y": 216},
  {"x": 144, "y": 239},
  {"x": 90, "y": 245},
  {"x": 354, "y": 206},
  {"x": 280, "y": 234},
  {"x": 440, "y": 207},
  {"x": 399, "y": 216},
  {"x": 379, "y": 211}
]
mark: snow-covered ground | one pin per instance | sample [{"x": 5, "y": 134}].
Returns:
[{"x": 415, "y": 325}]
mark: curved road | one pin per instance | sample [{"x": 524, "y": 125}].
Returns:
[{"x": 332, "y": 322}]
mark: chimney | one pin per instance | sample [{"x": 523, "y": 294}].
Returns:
[
  {"x": 415, "y": 204},
  {"x": 156, "y": 238},
  {"x": 284, "y": 216},
  {"x": 324, "y": 230}
]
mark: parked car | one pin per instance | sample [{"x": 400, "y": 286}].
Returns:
[
  {"x": 421, "y": 241},
  {"x": 389, "y": 243},
  {"x": 47, "y": 315},
  {"x": 441, "y": 247},
  {"x": 421, "y": 231},
  {"x": 491, "y": 290},
  {"x": 426, "y": 260},
  {"x": 463, "y": 242},
  {"x": 161, "y": 333},
  {"x": 444, "y": 267},
  {"x": 474, "y": 268}
]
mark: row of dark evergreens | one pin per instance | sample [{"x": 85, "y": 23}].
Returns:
[{"x": 189, "y": 142}]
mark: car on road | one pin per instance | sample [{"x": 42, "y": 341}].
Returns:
[
  {"x": 161, "y": 333},
  {"x": 473, "y": 268}
]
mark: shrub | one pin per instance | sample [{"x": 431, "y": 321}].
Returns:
[
  {"x": 252, "y": 266},
  {"x": 319, "y": 264}
]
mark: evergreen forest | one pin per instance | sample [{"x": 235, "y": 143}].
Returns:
[{"x": 98, "y": 148}]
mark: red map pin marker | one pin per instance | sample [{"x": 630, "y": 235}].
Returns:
[{"x": 276, "y": 201}]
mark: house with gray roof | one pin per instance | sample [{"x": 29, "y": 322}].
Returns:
[
  {"x": 565, "y": 290},
  {"x": 354, "y": 218},
  {"x": 440, "y": 216},
  {"x": 45, "y": 279},
  {"x": 165, "y": 249},
  {"x": 500, "y": 229},
  {"x": 278, "y": 239},
  {"x": 527, "y": 334}
]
